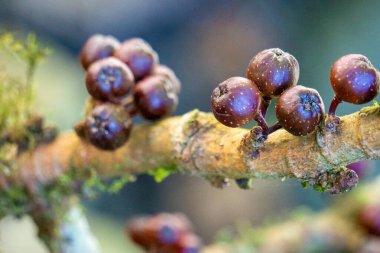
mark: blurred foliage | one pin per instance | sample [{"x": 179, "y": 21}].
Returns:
[
  {"x": 339, "y": 228},
  {"x": 16, "y": 94},
  {"x": 94, "y": 182},
  {"x": 29, "y": 51}
]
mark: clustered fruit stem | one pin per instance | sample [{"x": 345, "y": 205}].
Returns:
[
  {"x": 264, "y": 105},
  {"x": 334, "y": 105},
  {"x": 262, "y": 123}
]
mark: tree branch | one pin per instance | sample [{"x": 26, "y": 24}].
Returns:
[
  {"x": 197, "y": 144},
  {"x": 347, "y": 225},
  {"x": 76, "y": 233}
]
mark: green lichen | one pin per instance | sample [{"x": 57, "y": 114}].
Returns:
[
  {"x": 56, "y": 191},
  {"x": 334, "y": 181},
  {"x": 114, "y": 186},
  {"x": 85, "y": 182},
  {"x": 8, "y": 153},
  {"x": 88, "y": 182},
  {"x": 16, "y": 112},
  {"x": 368, "y": 110},
  {"x": 119, "y": 183},
  {"x": 13, "y": 201},
  {"x": 161, "y": 173},
  {"x": 16, "y": 200},
  {"x": 306, "y": 184}
]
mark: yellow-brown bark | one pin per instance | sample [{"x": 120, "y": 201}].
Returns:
[{"x": 197, "y": 144}]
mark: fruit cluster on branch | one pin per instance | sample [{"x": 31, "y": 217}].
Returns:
[
  {"x": 274, "y": 73},
  {"x": 300, "y": 111},
  {"x": 123, "y": 79}
]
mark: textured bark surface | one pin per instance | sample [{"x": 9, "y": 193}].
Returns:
[{"x": 197, "y": 144}]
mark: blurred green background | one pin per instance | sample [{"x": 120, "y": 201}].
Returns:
[{"x": 205, "y": 42}]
